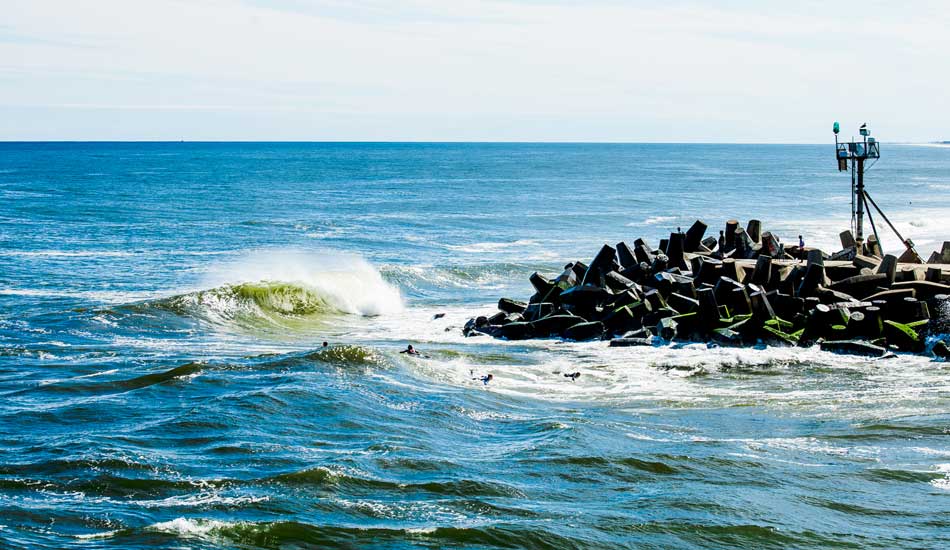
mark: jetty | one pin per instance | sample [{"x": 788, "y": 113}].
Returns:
[
  {"x": 754, "y": 289},
  {"x": 744, "y": 288}
]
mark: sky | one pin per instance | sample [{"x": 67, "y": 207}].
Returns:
[{"x": 473, "y": 70}]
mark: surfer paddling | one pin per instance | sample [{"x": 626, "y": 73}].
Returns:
[
  {"x": 410, "y": 350},
  {"x": 483, "y": 379}
]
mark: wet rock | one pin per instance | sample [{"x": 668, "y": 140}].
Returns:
[
  {"x": 869, "y": 262},
  {"x": 498, "y": 318},
  {"x": 621, "y": 320},
  {"x": 625, "y": 298},
  {"x": 762, "y": 275},
  {"x": 694, "y": 237},
  {"x": 892, "y": 296},
  {"x": 708, "y": 307},
  {"x": 675, "y": 249},
  {"x": 536, "y": 311},
  {"x": 903, "y": 337},
  {"x": 515, "y": 331},
  {"x": 542, "y": 285},
  {"x": 909, "y": 310},
  {"x": 626, "y": 256},
  {"x": 585, "y": 297},
  {"x": 888, "y": 268},
  {"x": 923, "y": 290},
  {"x": 643, "y": 253},
  {"x": 941, "y": 350},
  {"x": 583, "y": 332},
  {"x": 679, "y": 292},
  {"x": 666, "y": 328},
  {"x": 754, "y": 230},
  {"x": 511, "y": 306},
  {"x": 727, "y": 336},
  {"x": 730, "y": 234},
  {"x": 554, "y": 325},
  {"x": 630, "y": 342},
  {"x": 853, "y": 347},
  {"x": 861, "y": 285},
  {"x": 654, "y": 299},
  {"x": 617, "y": 282},
  {"x": 770, "y": 245},
  {"x": 744, "y": 244},
  {"x": 905, "y": 275},
  {"x": 683, "y": 304},
  {"x": 761, "y": 307}
]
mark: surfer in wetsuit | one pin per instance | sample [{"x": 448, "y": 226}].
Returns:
[
  {"x": 326, "y": 345},
  {"x": 410, "y": 350},
  {"x": 484, "y": 379},
  {"x": 573, "y": 376}
]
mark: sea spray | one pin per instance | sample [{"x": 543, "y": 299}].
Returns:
[{"x": 347, "y": 282}]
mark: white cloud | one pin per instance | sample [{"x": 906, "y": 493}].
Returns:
[{"x": 471, "y": 69}]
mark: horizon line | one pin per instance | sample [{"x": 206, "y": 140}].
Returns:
[{"x": 446, "y": 142}]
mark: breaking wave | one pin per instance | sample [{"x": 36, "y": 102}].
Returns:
[{"x": 285, "y": 287}]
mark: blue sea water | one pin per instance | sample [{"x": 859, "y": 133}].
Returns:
[{"x": 163, "y": 383}]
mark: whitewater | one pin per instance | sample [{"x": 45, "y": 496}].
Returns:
[{"x": 163, "y": 379}]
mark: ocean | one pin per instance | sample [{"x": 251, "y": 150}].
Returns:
[{"x": 163, "y": 382}]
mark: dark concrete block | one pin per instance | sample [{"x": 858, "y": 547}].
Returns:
[
  {"x": 853, "y": 347},
  {"x": 582, "y": 332},
  {"x": 554, "y": 325},
  {"x": 511, "y": 306},
  {"x": 542, "y": 285},
  {"x": 683, "y": 304},
  {"x": 888, "y": 268},
  {"x": 730, "y": 234},
  {"x": 694, "y": 236},
  {"x": 630, "y": 342},
  {"x": 626, "y": 255},
  {"x": 536, "y": 311},
  {"x": 861, "y": 286},
  {"x": 515, "y": 331},
  {"x": 617, "y": 282},
  {"x": 666, "y": 328},
  {"x": 754, "y": 230}
]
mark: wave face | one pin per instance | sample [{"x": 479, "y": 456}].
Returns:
[
  {"x": 164, "y": 384},
  {"x": 284, "y": 289}
]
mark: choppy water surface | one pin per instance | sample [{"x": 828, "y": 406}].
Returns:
[{"x": 162, "y": 382}]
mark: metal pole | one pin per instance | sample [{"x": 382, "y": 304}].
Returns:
[
  {"x": 887, "y": 221},
  {"x": 874, "y": 228},
  {"x": 859, "y": 229}
]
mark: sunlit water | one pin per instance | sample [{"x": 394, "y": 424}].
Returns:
[{"x": 162, "y": 381}]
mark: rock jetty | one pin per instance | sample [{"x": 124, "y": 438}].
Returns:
[{"x": 743, "y": 288}]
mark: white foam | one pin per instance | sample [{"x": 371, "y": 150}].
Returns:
[
  {"x": 93, "y": 536},
  {"x": 652, "y": 220},
  {"x": 944, "y": 482},
  {"x": 346, "y": 281},
  {"x": 66, "y": 253},
  {"x": 191, "y": 527},
  {"x": 202, "y": 499},
  {"x": 476, "y": 248}
]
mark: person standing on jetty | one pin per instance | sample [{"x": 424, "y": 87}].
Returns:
[
  {"x": 722, "y": 242},
  {"x": 801, "y": 247}
]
